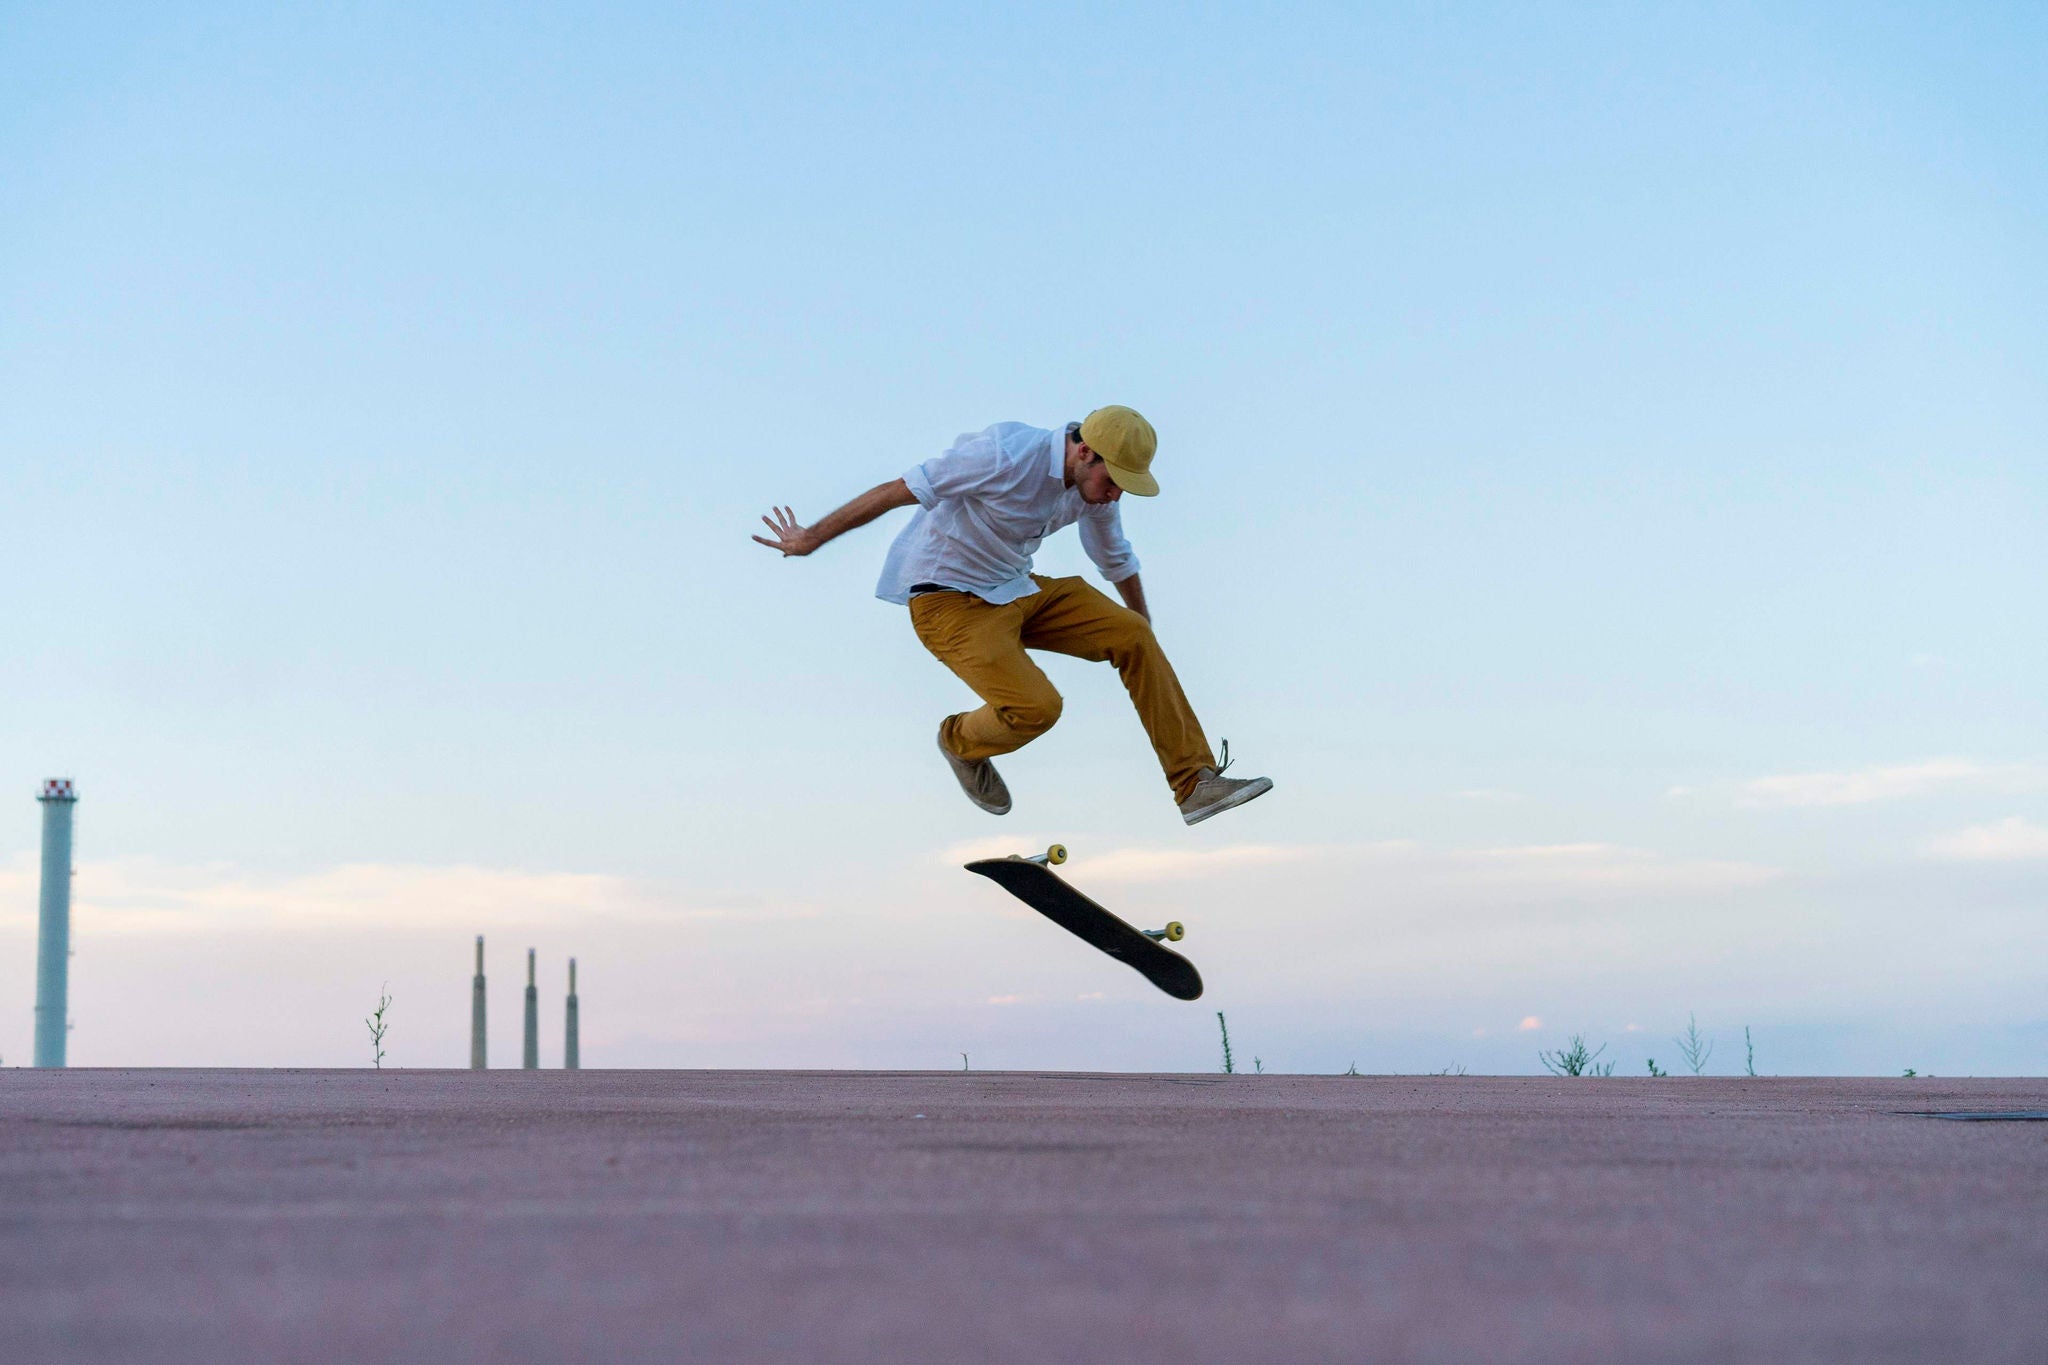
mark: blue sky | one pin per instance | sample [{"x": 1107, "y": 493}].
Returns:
[{"x": 1603, "y": 460}]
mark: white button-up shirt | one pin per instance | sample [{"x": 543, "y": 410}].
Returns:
[{"x": 983, "y": 508}]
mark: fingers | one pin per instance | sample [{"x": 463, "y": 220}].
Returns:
[{"x": 788, "y": 532}]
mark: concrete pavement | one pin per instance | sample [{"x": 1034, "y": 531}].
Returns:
[{"x": 171, "y": 1216}]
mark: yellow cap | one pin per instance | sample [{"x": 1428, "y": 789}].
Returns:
[{"x": 1126, "y": 443}]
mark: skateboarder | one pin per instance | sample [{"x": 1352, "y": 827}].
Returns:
[{"x": 963, "y": 566}]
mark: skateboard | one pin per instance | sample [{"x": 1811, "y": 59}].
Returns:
[{"x": 1033, "y": 881}]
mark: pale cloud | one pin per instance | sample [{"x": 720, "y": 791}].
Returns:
[
  {"x": 1542, "y": 869},
  {"x": 143, "y": 897},
  {"x": 1530, "y": 1023},
  {"x": 2012, "y": 839},
  {"x": 994, "y": 846},
  {"x": 1863, "y": 785},
  {"x": 18, "y": 891},
  {"x": 146, "y": 897},
  {"x": 1605, "y": 867},
  {"x": 1141, "y": 864},
  {"x": 1178, "y": 864},
  {"x": 1492, "y": 795}
]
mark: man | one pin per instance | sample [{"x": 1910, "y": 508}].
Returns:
[{"x": 963, "y": 565}]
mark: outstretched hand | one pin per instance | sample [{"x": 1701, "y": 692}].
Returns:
[{"x": 789, "y": 537}]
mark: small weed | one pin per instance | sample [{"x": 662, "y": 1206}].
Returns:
[
  {"x": 1749, "y": 1049},
  {"x": 375, "y": 1023},
  {"x": 1655, "y": 1071},
  {"x": 1908, "y": 1074},
  {"x": 1575, "y": 1060},
  {"x": 1229, "y": 1067},
  {"x": 1454, "y": 1069},
  {"x": 1693, "y": 1047},
  {"x": 1258, "y": 1067},
  {"x": 963, "y": 1061},
  {"x": 1354, "y": 1071}
]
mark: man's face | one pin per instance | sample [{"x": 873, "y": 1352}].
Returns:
[{"x": 1091, "y": 476}]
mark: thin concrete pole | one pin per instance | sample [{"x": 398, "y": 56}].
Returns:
[
  {"x": 572, "y": 1052},
  {"x": 476, "y": 1011},
  {"x": 53, "y": 931},
  {"x": 532, "y": 1053}
]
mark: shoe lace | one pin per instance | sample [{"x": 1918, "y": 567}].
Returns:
[{"x": 1224, "y": 766}]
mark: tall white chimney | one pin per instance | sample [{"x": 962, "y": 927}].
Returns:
[{"x": 53, "y": 936}]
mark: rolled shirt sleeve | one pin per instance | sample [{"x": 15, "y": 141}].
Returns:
[
  {"x": 1102, "y": 536},
  {"x": 969, "y": 466}
]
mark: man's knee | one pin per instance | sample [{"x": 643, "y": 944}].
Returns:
[
  {"x": 1133, "y": 639},
  {"x": 1033, "y": 716}
]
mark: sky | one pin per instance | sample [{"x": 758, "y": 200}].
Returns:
[{"x": 1603, "y": 465}]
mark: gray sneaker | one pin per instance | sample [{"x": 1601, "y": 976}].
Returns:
[
  {"x": 1215, "y": 793},
  {"x": 982, "y": 783}
]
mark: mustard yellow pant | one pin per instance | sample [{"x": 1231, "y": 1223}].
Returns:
[{"x": 984, "y": 644}]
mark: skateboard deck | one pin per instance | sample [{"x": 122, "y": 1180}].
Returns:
[{"x": 1032, "y": 881}]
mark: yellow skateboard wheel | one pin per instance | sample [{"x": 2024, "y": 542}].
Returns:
[
  {"x": 1174, "y": 932},
  {"x": 1056, "y": 855}
]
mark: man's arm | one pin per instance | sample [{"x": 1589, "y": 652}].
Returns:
[
  {"x": 1102, "y": 536},
  {"x": 794, "y": 539},
  {"x": 1134, "y": 595}
]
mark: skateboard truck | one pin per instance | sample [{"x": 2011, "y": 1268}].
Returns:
[{"x": 1174, "y": 931}]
